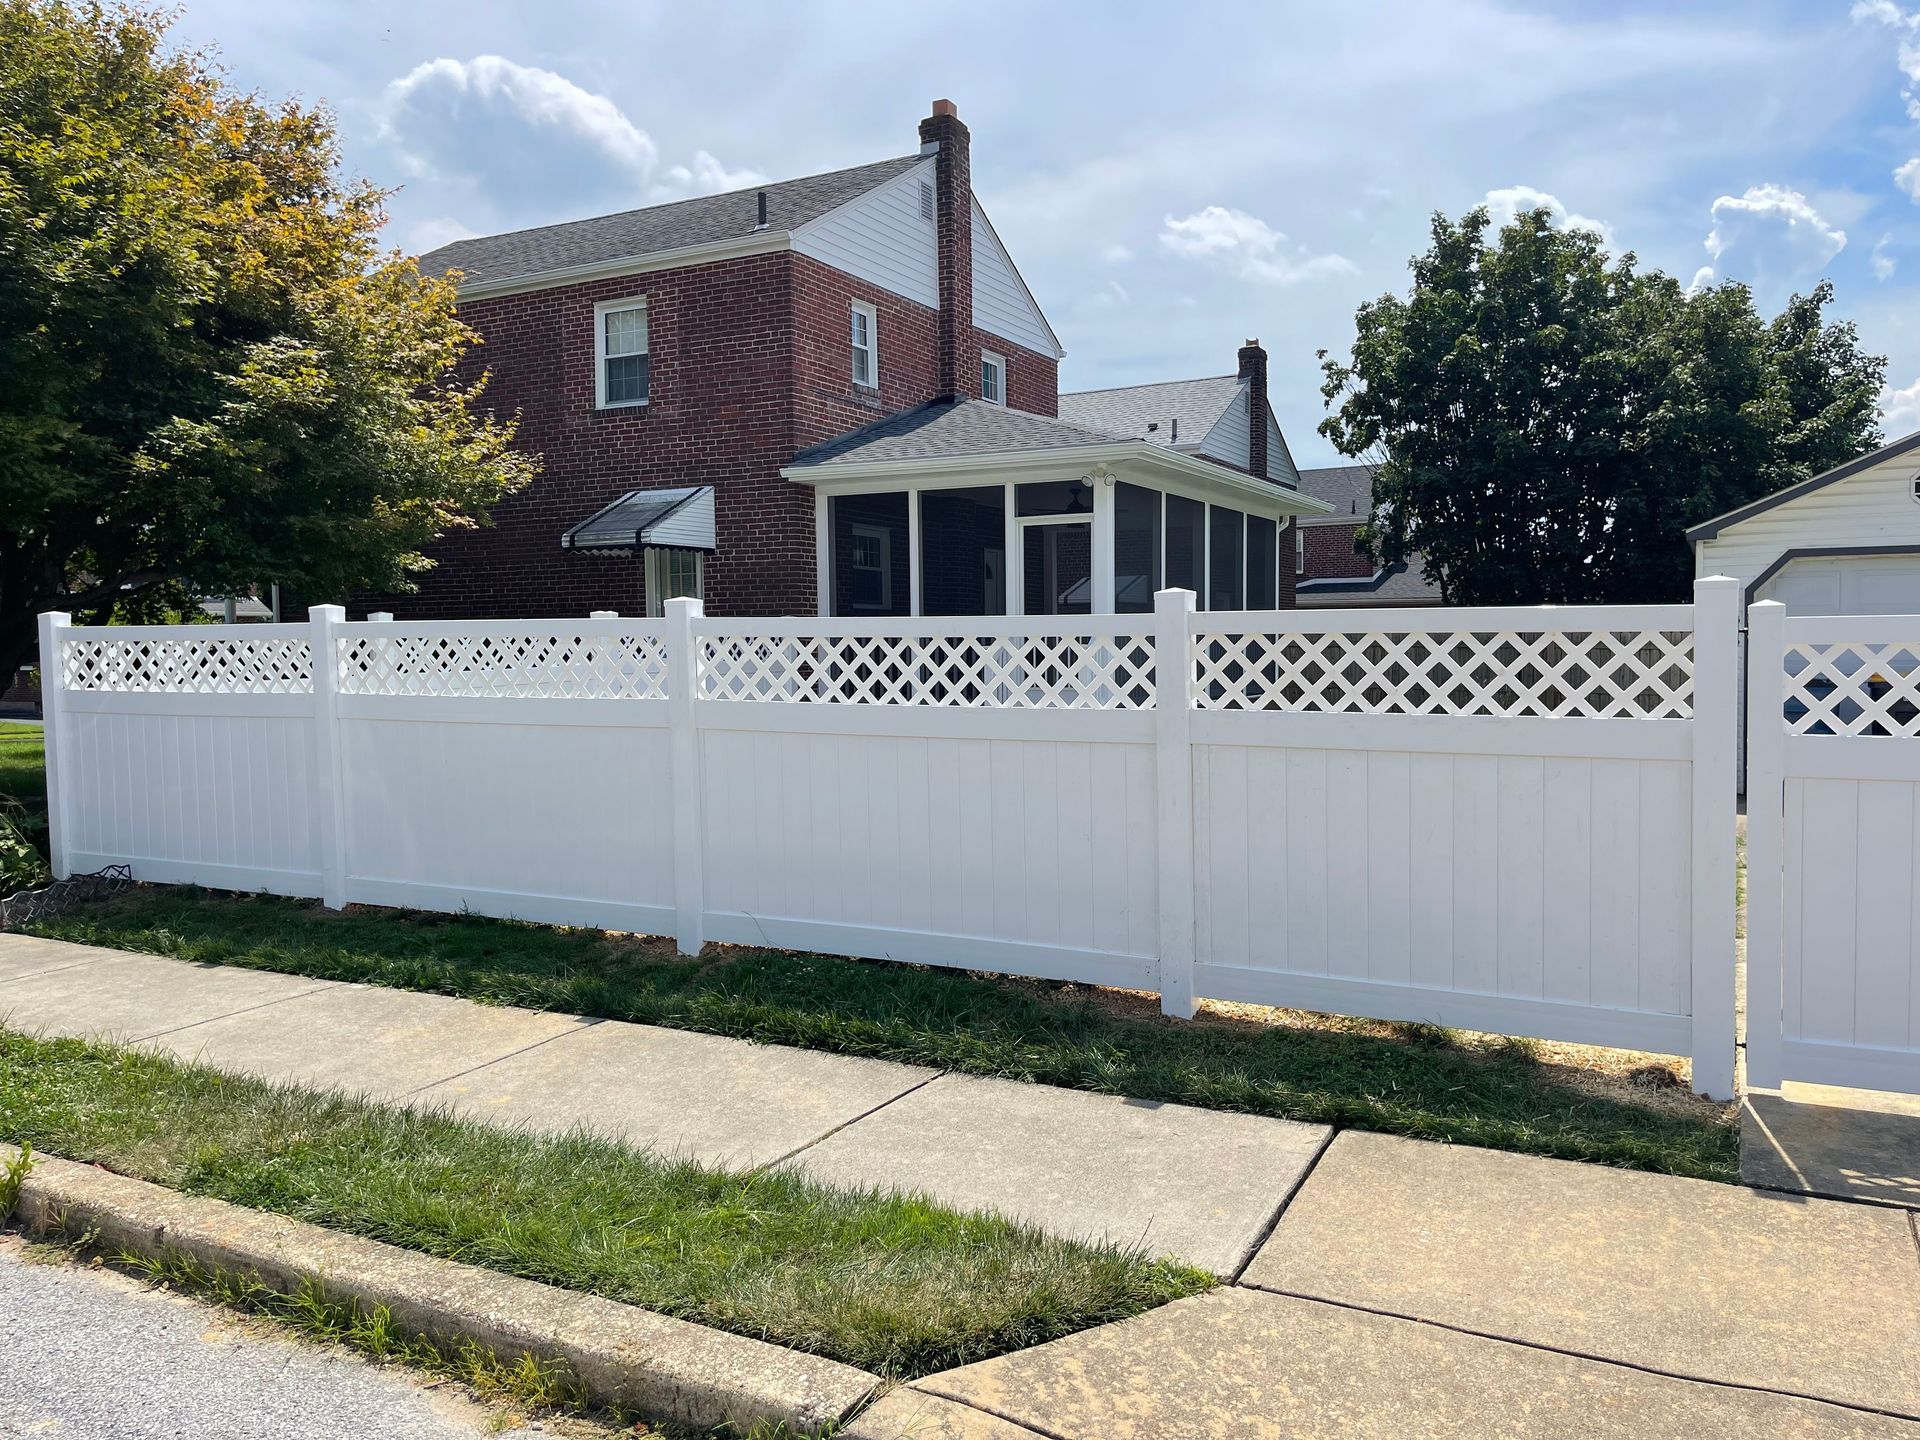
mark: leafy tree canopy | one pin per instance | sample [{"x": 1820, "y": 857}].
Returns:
[
  {"x": 1548, "y": 421},
  {"x": 211, "y": 376}
]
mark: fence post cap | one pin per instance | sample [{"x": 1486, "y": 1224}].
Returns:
[
  {"x": 1173, "y": 598},
  {"x": 685, "y": 605}
]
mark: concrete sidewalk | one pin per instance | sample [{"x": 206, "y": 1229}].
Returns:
[{"x": 1380, "y": 1286}]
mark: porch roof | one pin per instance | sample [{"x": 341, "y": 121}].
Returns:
[{"x": 950, "y": 441}]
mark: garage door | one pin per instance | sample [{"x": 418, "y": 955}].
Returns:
[{"x": 1847, "y": 585}]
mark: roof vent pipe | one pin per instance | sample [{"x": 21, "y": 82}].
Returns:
[{"x": 763, "y": 212}]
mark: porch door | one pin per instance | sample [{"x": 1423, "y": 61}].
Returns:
[{"x": 1056, "y": 567}]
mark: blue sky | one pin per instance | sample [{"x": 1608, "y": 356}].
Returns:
[{"x": 1170, "y": 179}]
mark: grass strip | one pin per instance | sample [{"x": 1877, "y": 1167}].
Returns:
[
  {"x": 1406, "y": 1080},
  {"x": 894, "y": 1285}
]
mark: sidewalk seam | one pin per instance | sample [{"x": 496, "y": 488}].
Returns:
[
  {"x": 1259, "y": 1241},
  {"x": 589, "y": 1022},
  {"x": 56, "y": 969},
  {"x": 1032, "y": 1427},
  {"x": 1641, "y": 1368},
  {"x": 829, "y": 1133},
  {"x": 230, "y": 1014}
]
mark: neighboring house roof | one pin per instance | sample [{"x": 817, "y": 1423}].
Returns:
[
  {"x": 633, "y": 234},
  {"x": 1707, "y": 529},
  {"x": 946, "y": 428},
  {"x": 1347, "y": 488},
  {"x": 1186, "y": 409},
  {"x": 1405, "y": 584}
]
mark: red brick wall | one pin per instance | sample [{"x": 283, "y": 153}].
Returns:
[
  {"x": 1330, "y": 553},
  {"x": 749, "y": 363}
]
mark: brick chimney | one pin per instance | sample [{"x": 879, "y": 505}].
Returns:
[
  {"x": 1253, "y": 368},
  {"x": 956, "y": 368}
]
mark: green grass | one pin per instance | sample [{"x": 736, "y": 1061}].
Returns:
[
  {"x": 1406, "y": 1080},
  {"x": 895, "y": 1285},
  {"x": 23, "y": 779}
]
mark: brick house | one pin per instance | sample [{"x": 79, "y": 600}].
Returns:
[
  {"x": 836, "y": 395},
  {"x": 1328, "y": 570}
]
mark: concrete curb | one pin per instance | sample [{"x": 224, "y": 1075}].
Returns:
[{"x": 661, "y": 1367}]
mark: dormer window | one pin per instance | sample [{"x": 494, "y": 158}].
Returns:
[
  {"x": 622, "y": 373},
  {"x": 993, "y": 378},
  {"x": 866, "y": 349}
]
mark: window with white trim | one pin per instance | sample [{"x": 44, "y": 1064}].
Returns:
[
  {"x": 622, "y": 367},
  {"x": 866, "y": 347},
  {"x": 673, "y": 575},
  {"x": 870, "y": 567},
  {"x": 1299, "y": 549},
  {"x": 993, "y": 378}
]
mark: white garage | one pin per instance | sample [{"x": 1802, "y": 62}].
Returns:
[{"x": 1843, "y": 543}]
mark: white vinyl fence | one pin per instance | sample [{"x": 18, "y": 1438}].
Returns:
[
  {"x": 1833, "y": 849},
  {"x": 1505, "y": 820}
]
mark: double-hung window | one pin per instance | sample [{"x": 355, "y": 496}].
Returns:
[
  {"x": 993, "y": 378},
  {"x": 866, "y": 345},
  {"x": 623, "y": 375}
]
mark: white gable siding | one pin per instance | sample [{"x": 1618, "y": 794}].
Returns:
[
  {"x": 881, "y": 238},
  {"x": 1227, "y": 440},
  {"x": 1280, "y": 464},
  {"x": 1873, "y": 508},
  {"x": 1001, "y": 304}
]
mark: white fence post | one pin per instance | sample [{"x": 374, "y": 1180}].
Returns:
[
  {"x": 689, "y": 880},
  {"x": 1716, "y": 721},
  {"x": 54, "y": 735},
  {"x": 330, "y": 804},
  {"x": 1766, "y": 840},
  {"x": 1173, "y": 706}
]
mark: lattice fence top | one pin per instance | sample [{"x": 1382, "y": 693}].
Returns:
[
  {"x": 1853, "y": 688},
  {"x": 1006, "y": 672},
  {"x": 1641, "y": 674},
  {"x": 220, "y": 664},
  {"x": 565, "y": 664}
]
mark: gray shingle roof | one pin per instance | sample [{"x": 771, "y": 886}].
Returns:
[
  {"x": 1401, "y": 585},
  {"x": 1348, "y": 488},
  {"x": 1130, "y": 409},
  {"x": 522, "y": 254},
  {"x": 951, "y": 427}
]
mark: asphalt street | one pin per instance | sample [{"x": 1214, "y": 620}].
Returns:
[{"x": 90, "y": 1354}]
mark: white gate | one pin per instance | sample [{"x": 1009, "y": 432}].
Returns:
[{"x": 1833, "y": 858}]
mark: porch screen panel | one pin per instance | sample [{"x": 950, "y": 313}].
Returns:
[
  {"x": 1136, "y": 548},
  {"x": 1227, "y": 560},
  {"x": 870, "y": 556},
  {"x": 1263, "y": 568},
  {"x": 1187, "y": 545},
  {"x": 963, "y": 551}
]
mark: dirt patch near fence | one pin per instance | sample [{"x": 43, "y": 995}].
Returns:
[{"x": 1657, "y": 1082}]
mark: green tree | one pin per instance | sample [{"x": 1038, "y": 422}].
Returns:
[
  {"x": 211, "y": 375},
  {"x": 1548, "y": 421}
]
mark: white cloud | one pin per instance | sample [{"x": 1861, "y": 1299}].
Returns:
[
  {"x": 706, "y": 176},
  {"x": 1778, "y": 235},
  {"x": 1908, "y": 24},
  {"x": 1702, "y": 278},
  {"x": 431, "y": 234},
  {"x": 1246, "y": 246},
  {"x": 528, "y": 142},
  {"x": 1883, "y": 263},
  {"x": 1116, "y": 254},
  {"x": 536, "y": 97},
  {"x": 1907, "y": 177},
  {"x": 1901, "y": 409},
  {"x": 1505, "y": 204}
]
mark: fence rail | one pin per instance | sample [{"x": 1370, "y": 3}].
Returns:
[{"x": 1508, "y": 820}]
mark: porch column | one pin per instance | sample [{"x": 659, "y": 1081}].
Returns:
[{"x": 1102, "y": 543}]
